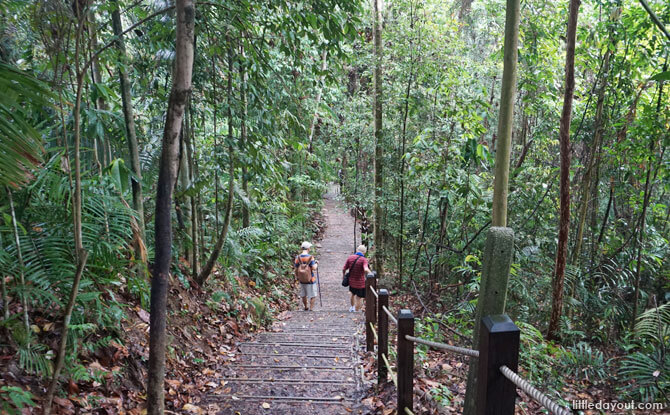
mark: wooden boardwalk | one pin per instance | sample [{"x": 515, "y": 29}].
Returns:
[{"x": 308, "y": 363}]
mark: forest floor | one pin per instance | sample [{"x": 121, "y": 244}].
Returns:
[{"x": 203, "y": 329}]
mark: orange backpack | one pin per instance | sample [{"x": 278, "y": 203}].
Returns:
[{"x": 303, "y": 272}]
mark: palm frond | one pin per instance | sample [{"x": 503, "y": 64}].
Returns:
[{"x": 20, "y": 142}]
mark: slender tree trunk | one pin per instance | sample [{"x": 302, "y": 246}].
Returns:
[
  {"x": 129, "y": 117},
  {"x": 195, "y": 234},
  {"x": 216, "y": 146},
  {"x": 243, "y": 134},
  {"x": 607, "y": 214},
  {"x": 443, "y": 233},
  {"x": 640, "y": 236},
  {"x": 209, "y": 266},
  {"x": 402, "y": 181},
  {"x": 97, "y": 79},
  {"x": 379, "y": 144},
  {"x": 564, "y": 138},
  {"x": 80, "y": 253},
  {"x": 131, "y": 136},
  {"x": 5, "y": 297},
  {"x": 506, "y": 117},
  {"x": 185, "y": 205},
  {"x": 60, "y": 359},
  {"x": 423, "y": 236},
  {"x": 315, "y": 118},
  {"x": 402, "y": 158},
  {"x": 19, "y": 256},
  {"x": 591, "y": 164},
  {"x": 181, "y": 89},
  {"x": 645, "y": 204},
  {"x": 495, "y": 270}
]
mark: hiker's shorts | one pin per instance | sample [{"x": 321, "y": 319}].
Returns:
[{"x": 308, "y": 290}]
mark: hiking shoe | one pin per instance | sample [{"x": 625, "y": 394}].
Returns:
[{"x": 352, "y": 309}]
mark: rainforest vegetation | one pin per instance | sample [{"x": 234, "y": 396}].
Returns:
[{"x": 160, "y": 162}]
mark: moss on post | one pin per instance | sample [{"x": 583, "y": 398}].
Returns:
[{"x": 498, "y": 254}]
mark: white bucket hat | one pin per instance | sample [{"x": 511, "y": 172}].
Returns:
[{"x": 306, "y": 245}]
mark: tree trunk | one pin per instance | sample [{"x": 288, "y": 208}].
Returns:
[
  {"x": 465, "y": 9},
  {"x": 80, "y": 254},
  {"x": 243, "y": 135},
  {"x": 195, "y": 234},
  {"x": 607, "y": 214},
  {"x": 379, "y": 145},
  {"x": 209, "y": 266},
  {"x": 564, "y": 138},
  {"x": 645, "y": 204},
  {"x": 131, "y": 135},
  {"x": 97, "y": 79},
  {"x": 181, "y": 89},
  {"x": 185, "y": 205},
  {"x": 315, "y": 118},
  {"x": 423, "y": 235},
  {"x": 216, "y": 146},
  {"x": 402, "y": 180},
  {"x": 19, "y": 256},
  {"x": 489, "y": 300},
  {"x": 591, "y": 164},
  {"x": 207, "y": 269},
  {"x": 506, "y": 116},
  {"x": 5, "y": 297},
  {"x": 60, "y": 359}
]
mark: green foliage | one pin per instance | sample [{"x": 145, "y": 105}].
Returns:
[
  {"x": 583, "y": 362},
  {"x": 20, "y": 141},
  {"x": 442, "y": 394},
  {"x": 646, "y": 371},
  {"x": 538, "y": 356},
  {"x": 14, "y": 399}
]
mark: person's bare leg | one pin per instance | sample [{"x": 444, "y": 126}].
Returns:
[
  {"x": 359, "y": 303},
  {"x": 312, "y": 302},
  {"x": 353, "y": 303},
  {"x": 304, "y": 303}
]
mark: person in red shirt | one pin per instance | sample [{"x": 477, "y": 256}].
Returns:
[{"x": 358, "y": 267}]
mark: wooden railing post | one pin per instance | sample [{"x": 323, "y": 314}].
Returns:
[
  {"x": 405, "y": 361},
  {"x": 383, "y": 336},
  {"x": 498, "y": 346},
  {"x": 370, "y": 309}
]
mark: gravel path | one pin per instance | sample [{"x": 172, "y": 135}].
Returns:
[{"x": 308, "y": 363}]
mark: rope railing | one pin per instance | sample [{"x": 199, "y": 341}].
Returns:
[
  {"x": 394, "y": 378},
  {"x": 443, "y": 346},
  {"x": 540, "y": 397},
  {"x": 498, "y": 355},
  {"x": 393, "y": 319}
]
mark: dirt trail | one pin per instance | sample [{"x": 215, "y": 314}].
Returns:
[{"x": 308, "y": 363}]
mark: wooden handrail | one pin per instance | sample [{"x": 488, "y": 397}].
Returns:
[{"x": 499, "y": 347}]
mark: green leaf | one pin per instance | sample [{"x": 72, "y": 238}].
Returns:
[
  {"x": 119, "y": 173},
  {"x": 663, "y": 76}
]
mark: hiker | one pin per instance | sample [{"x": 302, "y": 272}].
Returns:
[
  {"x": 358, "y": 267},
  {"x": 305, "y": 265}
]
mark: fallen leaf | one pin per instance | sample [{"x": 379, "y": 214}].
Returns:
[
  {"x": 265, "y": 405},
  {"x": 192, "y": 409},
  {"x": 143, "y": 315}
]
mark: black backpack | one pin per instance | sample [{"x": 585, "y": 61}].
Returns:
[{"x": 345, "y": 280}]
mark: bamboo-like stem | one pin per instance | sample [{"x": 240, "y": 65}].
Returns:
[{"x": 19, "y": 255}]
